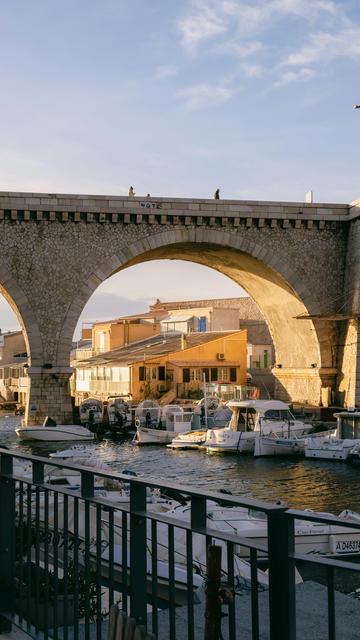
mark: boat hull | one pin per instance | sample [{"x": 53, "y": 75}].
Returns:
[
  {"x": 268, "y": 446},
  {"x": 61, "y": 433},
  {"x": 189, "y": 440},
  {"x": 144, "y": 435},
  {"x": 328, "y": 449}
]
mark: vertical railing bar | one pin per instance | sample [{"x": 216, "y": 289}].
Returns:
[
  {"x": 37, "y": 554},
  {"x": 87, "y": 569},
  {"x": 28, "y": 552},
  {"x": 254, "y": 596},
  {"x": 154, "y": 581},
  {"x": 231, "y": 585},
  {"x": 37, "y": 472},
  {"x": 21, "y": 546},
  {"x": 281, "y": 544},
  {"x": 138, "y": 553},
  {"x": 98, "y": 571},
  {"x": 171, "y": 562},
  {"x": 331, "y": 603},
  {"x": 111, "y": 557},
  {"x": 76, "y": 568},
  {"x": 65, "y": 565},
  {"x": 46, "y": 559},
  {"x": 125, "y": 561},
  {"x": 56, "y": 563},
  {"x": 190, "y": 585}
]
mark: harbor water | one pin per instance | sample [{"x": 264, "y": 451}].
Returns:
[{"x": 317, "y": 485}]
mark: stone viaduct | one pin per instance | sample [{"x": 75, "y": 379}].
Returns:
[{"x": 294, "y": 259}]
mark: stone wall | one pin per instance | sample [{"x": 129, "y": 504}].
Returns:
[{"x": 56, "y": 250}]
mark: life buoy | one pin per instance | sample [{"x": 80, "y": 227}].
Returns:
[{"x": 137, "y": 422}]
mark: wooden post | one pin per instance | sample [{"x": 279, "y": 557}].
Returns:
[{"x": 212, "y": 603}]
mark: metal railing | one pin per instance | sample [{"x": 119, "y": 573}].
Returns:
[{"x": 67, "y": 555}]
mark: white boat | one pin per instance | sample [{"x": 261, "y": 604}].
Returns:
[
  {"x": 310, "y": 537},
  {"x": 338, "y": 446},
  {"x": 58, "y": 433},
  {"x": 119, "y": 415},
  {"x": 274, "y": 445},
  {"x": 195, "y": 438},
  {"x": 91, "y": 412},
  {"x": 171, "y": 424},
  {"x": 250, "y": 419}
]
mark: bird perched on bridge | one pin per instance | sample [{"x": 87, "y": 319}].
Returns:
[
  {"x": 131, "y": 192},
  {"x": 217, "y": 194}
]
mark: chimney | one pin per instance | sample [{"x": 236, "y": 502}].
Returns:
[
  {"x": 309, "y": 197},
  {"x": 183, "y": 342}
]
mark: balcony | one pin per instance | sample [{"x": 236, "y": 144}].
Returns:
[{"x": 103, "y": 387}]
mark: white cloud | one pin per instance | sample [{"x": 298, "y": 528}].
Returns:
[
  {"x": 295, "y": 76},
  {"x": 204, "y": 95},
  {"x": 210, "y": 18},
  {"x": 166, "y": 71},
  {"x": 323, "y": 47},
  {"x": 205, "y": 23}
]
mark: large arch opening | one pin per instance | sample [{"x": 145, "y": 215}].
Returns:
[{"x": 305, "y": 359}]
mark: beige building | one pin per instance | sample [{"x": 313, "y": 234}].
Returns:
[
  {"x": 222, "y": 314},
  {"x": 13, "y": 358},
  {"x": 173, "y": 362}
]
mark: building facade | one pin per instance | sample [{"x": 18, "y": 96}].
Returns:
[{"x": 155, "y": 366}]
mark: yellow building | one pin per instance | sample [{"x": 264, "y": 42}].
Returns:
[{"x": 150, "y": 368}]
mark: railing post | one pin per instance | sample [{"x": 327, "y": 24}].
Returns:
[
  {"x": 138, "y": 574},
  {"x": 281, "y": 576},
  {"x": 7, "y": 543}
]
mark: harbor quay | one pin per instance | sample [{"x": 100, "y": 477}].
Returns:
[
  {"x": 298, "y": 261},
  {"x": 80, "y": 563}
]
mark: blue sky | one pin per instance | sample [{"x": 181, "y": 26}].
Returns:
[{"x": 181, "y": 97}]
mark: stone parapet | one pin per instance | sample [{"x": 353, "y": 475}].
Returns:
[{"x": 112, "y": 209}]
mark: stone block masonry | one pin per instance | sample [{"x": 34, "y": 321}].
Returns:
[{"x": 292, "y": 258}]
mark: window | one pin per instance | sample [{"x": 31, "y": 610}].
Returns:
[
  {"x": 202, "y": 323},
  {"x": 206, "y": 371},
  {"x": 102, "y": 335},
  {"x": 232, "y": 374},
  {"x": 223, "y": 373},
  {"x": 141, "y": 374},
  {"x": 213, "y": 374},
  {"x": 153, "y": 373},
  {"x": 265, "y": 359},
  {"x": 161, "y": 373},
  {"x": 186, "y": 375}
]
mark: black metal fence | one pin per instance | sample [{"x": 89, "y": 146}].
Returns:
[{"x": 68, "y": 554}]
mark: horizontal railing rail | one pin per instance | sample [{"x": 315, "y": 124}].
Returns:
[{"x": 69, "y": 552}]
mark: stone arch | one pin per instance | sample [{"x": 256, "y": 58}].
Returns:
[
  {"x": 20, "y": 304},
  {"x": 281, "y": 292}
]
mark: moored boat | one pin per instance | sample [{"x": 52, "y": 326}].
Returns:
[
  {"x": 251, "y": 419},
  {"x": 339, "y": 445},
  {"x": 171, "y": 424},
  {"x": 91, "y": 413},
  {"x": 54, "y": 433},
  {"x": 274, "y": 445}
]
